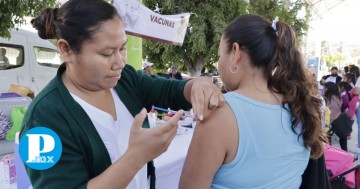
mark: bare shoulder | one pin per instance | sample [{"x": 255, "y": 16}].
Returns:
[
  {"x": 219, "y": 127},
  {"x": 209, "y": 148},
  {"x": 221, "y": 115}
]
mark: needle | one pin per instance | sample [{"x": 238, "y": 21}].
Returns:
[{"x": 171, "y": 111}]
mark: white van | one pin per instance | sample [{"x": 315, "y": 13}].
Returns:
[{"x": 27, "y": 60}]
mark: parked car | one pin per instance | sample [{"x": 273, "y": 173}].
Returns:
[{"x": 27, "y": 60}]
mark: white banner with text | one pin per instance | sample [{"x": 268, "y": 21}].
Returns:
[{"x": 142, "y": 22}]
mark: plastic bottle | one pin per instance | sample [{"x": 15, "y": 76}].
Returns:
[{"x": 152, "y": 118}]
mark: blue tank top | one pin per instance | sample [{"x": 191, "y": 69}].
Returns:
[{"x": 269, "y": 154}]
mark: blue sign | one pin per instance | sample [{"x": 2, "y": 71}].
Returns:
[{"x": 40, "y": 148}]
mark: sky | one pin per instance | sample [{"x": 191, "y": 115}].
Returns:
[{"x": 339, "y": 24}]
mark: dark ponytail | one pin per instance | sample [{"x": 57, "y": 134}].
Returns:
[
  {"x": 355, "y": 70},
  {"x": 274, "y": 49},
  {"x": 331, "y": 91},
  {"x": 351, "y": 77},
  {"x": 288, "y": 65}
]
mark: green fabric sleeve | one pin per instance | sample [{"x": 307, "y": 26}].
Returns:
[
  {"x": 161, "y": 92},
  {"x": 71, "y": 170}
]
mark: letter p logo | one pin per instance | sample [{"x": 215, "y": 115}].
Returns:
[
  {"x": 34, "y": 141},
  {"x": 40, "y": 148}
]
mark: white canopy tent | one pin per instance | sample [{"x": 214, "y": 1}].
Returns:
[{"x": 320, "y": 7}]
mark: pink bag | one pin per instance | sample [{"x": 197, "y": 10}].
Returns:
[
  {"x": 352, "y": 104},
  {"x": 339, "y": 161},
  {"x": 7, "y": 170}
]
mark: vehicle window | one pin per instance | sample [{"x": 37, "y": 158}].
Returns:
[
  {"x": 47, "y": 57},
  {"x": 11, "y": 56}
]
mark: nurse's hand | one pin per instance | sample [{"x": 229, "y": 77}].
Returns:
[
  {"x": 145, "y": 144},
  {"x": 205, "y": 95}
]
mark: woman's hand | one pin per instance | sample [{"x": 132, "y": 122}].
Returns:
[
  {"x": 205, "y": 95},
  {"x": 144, "y": 146},
  {"x": 147, "y": 144}
]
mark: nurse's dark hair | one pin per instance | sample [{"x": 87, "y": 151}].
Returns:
[
  {"x": 274, "y": 49},
  {"x": 76, "y": 21}
]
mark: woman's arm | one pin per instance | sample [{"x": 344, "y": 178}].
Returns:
[
  {"x": 322, "y": 81},
  {"x": 73, "y": 167},
  {"x": 352, "y": 104},
  {"x": 356, "y": 91},
  {"x": 174, "y": 94},
  {"x": 211, "y": 146},
  {"x": 345, "y": 101},
  {"x": 144, "y": 145},
  {"x": 357, "y": 87}
]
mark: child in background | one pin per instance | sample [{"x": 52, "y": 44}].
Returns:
[
  {"x": 348, "y": 105},
  {"x": 327, "y": 115},
  {"x": 344, "y": 89},
  {"x": 350, "y": 79},
  {"x": 333, "y": 101},
  {"x": 350, "y": 102}
]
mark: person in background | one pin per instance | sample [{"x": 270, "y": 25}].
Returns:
[
  {"x": 174, "y": 73},
  {"x": 20, "y": 57},
  {"x": 334, "y": 102},
  {"x": 350, "y": 79},
  {"x": 95, "y": 104},
  {"x": 3, "y": 57},
  {"x": 333, "y": 77},
  {"x": 348, "y": 101},
  {"x": 344, "y": 89},
  {"x": 346, "y": 70},
  {"x": 272, "y": 115},
  {"x": 355, "y": 70},
  {"x": 147, "y": 67}
]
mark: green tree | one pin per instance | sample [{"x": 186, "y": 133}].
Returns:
[
  {"x": 332, "y": 59},
  {"x": 13, "y": 12},
  {"x": 206, "y": 26},
  {"x": 294, "y": 12},
  {"x": 203, "y": 33}
]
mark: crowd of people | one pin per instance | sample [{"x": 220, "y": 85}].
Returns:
[
  {"x": 268, "y": 91},
  {"x": 172, "y": 73},
  {"x": 341, "y": 97}
]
